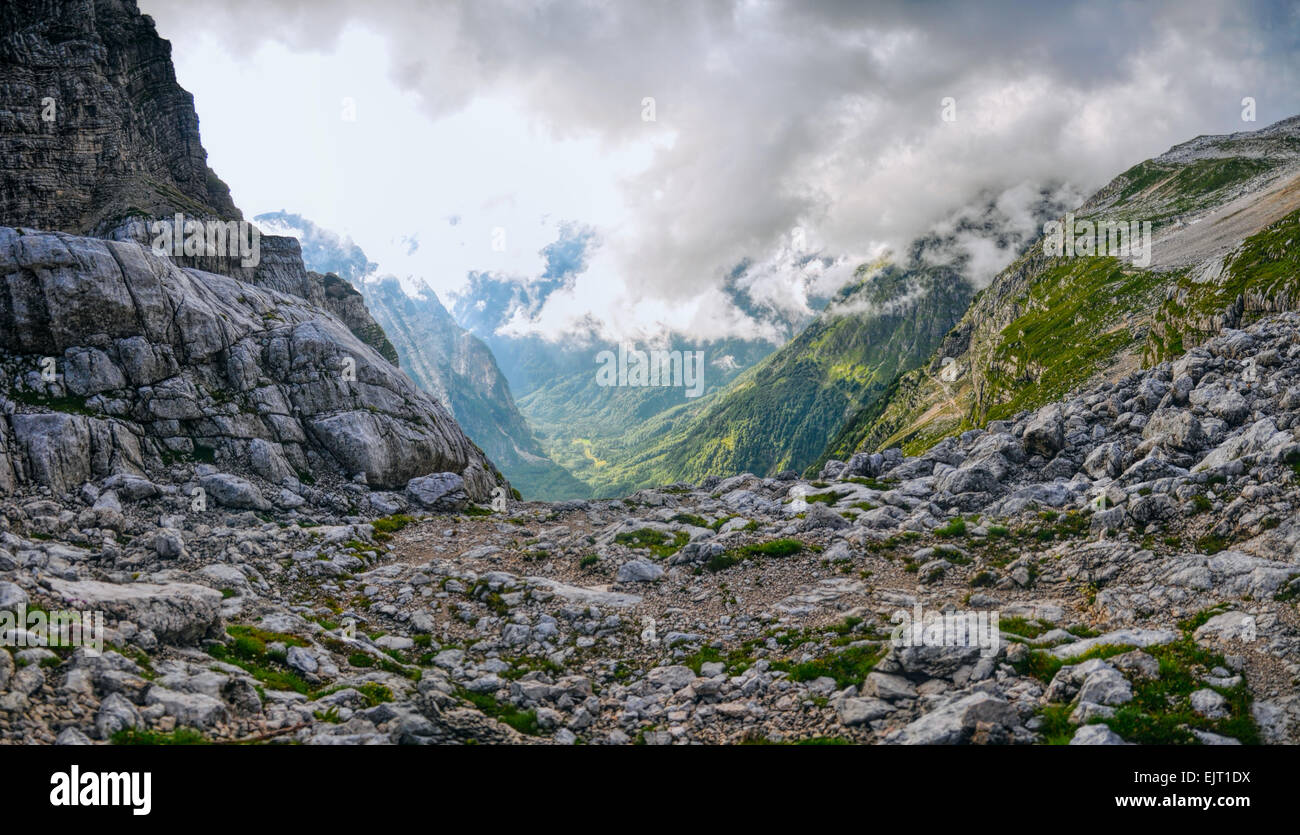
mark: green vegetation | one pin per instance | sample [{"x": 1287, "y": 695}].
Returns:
[
  {"x": 386, "y": 526},
  {"x": 71, "y": 403},
  {"x": 775, "y": 548},
  {"x": 1263, "y": 275},
  {"x": 957, "y": 527},
  {"x": 848, "y": 667},
  {"x": 1074, "y": 322},
  {"x": 775, "y": 415},
  {"x": 524, "y": 721},
  {"x": 248, "y": 650},
  {"x": 657, "y": 542}
]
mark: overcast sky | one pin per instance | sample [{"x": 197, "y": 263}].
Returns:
[{"x": 483, "y": 123}]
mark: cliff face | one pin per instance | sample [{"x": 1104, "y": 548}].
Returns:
[
  {"x": 118, "y": 360},
  {"x": 154, "y": 364},
  {"x": 93, "y": 125}
]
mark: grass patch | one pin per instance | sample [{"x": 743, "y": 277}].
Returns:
[
  {"x": 848, "y": 667},
  {"x": 524, "y": 721},
  {"x": 659, "y": 543},
  {"x": 775, "y": 548}
]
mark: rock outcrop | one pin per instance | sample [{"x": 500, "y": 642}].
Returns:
[
  {"x": 93, "y": 125},
  {"x": 150, "y": 364}
]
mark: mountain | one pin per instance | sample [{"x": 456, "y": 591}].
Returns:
[
  {"x": 781, "y": 413},
  {"x": 96, "y": 127},
  {"x": 589, "y": 429},
  {"x": 442, "y": 358},
  {"x": 121, "y": 362},
  {"x": 1223, "y": 215}
]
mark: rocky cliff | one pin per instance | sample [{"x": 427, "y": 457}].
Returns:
[
  {"x": 93, "y": 125},
  {"x": 444, "y": 359},
  {"x": 149, "y": 363}
]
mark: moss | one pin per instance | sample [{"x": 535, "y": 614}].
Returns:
[{"x": 70, "y": 404}]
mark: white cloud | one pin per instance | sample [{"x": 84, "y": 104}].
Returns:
[{"x": 770, "y": 116}]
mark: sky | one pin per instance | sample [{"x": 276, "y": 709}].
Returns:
[{"x": 691, "y": 137}]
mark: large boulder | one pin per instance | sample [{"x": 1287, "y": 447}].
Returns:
[
  {"x": 177, "y": 613},
  {"x": 439, "y": 491},
  {"x": 1045, "y": 432}
]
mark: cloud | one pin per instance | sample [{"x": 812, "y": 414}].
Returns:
[{"x": 822, "y": 117}]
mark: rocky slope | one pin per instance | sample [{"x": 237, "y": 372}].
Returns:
[
  {"x": 117, "y": 361},
  {"x": 444, "y": 359},
  {"x": 1224, "y": 214},
  {"x": 93, "y": 126},
  {"x": 1138, "y": 545}
]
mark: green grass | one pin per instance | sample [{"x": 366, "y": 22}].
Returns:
[
  {"x": 1044, "y": 666},
  {"x": 849, "y": 667},
  {"x": 1023, "y": 627},
  {"x": 775, "y": 548},
  {"x": 1264, "y": 272},
  {"x": 957, "y": 527},
  {"x": 657, "y": 542},
  {"x": 1057, "y": 728},
  {"x": 1211, "y": 544},
  {"x": 736, "y": 661},
  {"x": 386, "y": 526},
  {"x": 247, "y": 649},
  {"x": 1161, "y": 714},
  {"x": 524, "y": 721},
  {"x": 1071, "y": 326}
]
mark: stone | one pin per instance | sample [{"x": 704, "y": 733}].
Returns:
[
  {"x": 180, "y": 613},
  {"x": 859, "y": 711},
  {"x": 1096, "y": 735},
  {"x": 639, "y": 571},
  {"x": 439, "y": 491}
]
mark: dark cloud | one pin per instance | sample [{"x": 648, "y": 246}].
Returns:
[{"x": 821, "y": 116}]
